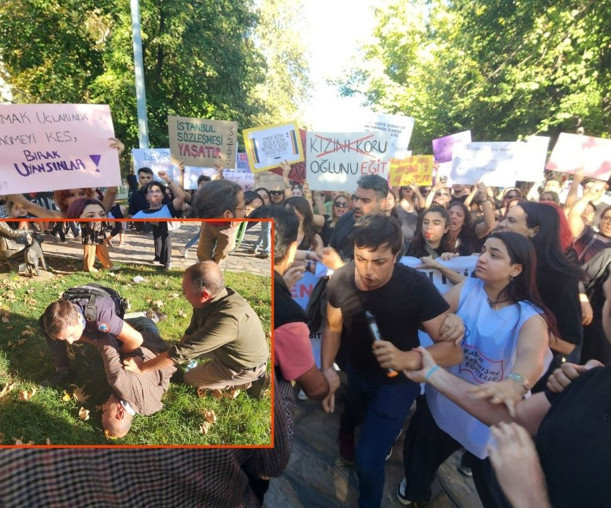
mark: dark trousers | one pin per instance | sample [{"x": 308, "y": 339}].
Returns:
[
  {"x": 426, "y": 447},
  {"x": 163, "y": 243}
]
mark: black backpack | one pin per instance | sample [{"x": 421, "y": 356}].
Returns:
[{"x": 91, "y": 293}]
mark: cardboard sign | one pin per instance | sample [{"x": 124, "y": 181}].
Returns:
[
  {"x": 574, "y": 151},
  {"x": 397, "y": 128},
  {"x": 533, "y": 155},
  {"x": 157, "y": 159},
  {"x": 493, "y": 163},
  {"x": 442, "y": 147},
  {"x": 298, "y": 170},
  {"x": 414, "y": 170},
  {"x": 267, "y": 147},
  {"x": 45, "y": 147},
  {"x": 269, "y": 181},
  {"x": 203, "y": 143},
  {"x": 335, "y": 161}
]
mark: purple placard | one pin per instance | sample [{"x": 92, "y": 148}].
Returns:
[{"x": 442, "y": 147}]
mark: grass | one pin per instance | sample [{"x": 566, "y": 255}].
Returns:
[{"x": 51, "y": 417}]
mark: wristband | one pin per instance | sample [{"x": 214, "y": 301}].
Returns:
[
  {"x": 520, "y": 379},
  {"x": 430, "y": 372}
]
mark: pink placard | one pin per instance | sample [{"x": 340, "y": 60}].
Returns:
[
  {"x": 575, "y": 151},
  {"x": 45, "y": 147}
]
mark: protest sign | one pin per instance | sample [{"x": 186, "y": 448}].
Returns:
[
  {"x": 414, "y": 170},
  {"x": 531, "y": 161},
  {"x": 45, "y": 147},
  {"x": 269, "y": 181},
  {"x": 203, "y": 143},
  {"x": 442, "y": 147},
  {"x": 243, "y": 179},
  {"x": 157, "y": 159},
  {"x": 192, "y": 174},
  {"x": 335, "y": 161},
  {"x": 397, "y": 128},
  {"x": 267, "y": 147},
  {"x": 242, "y": 162},
  {"x": 493, "y": 163},
  {"x": 298, "y": 171},
  {"x": 575, "y": 151}
]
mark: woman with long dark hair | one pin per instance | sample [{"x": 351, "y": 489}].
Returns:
[
  {"x": 505, "y": 351},
  {"x": 309, "y": 242},
  {"x": 432, "y": 236},
  {"x": 557, "y": 278}
]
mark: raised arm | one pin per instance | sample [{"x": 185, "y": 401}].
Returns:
[{"x": 179, "y": 194}]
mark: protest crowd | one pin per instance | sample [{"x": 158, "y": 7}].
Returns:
[{"x": 484, "y": 307}]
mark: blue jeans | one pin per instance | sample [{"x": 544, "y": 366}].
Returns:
[
  {"x": 265, "y": 237},
  {"x": 383, "y": 409}
]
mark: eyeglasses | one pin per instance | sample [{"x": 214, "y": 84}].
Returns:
[
  {"x": 340, "y": 204},
  {"x": 154, "y": 192},
  {"x": 513, "y": 196},
  {"x": 442, "y": 194}
]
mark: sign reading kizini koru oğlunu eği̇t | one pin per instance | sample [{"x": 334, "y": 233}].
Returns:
[
  {"x": 336, "y": 160},
  {"x": 46, "y": 147},
  {"x": 267, "y": 147},
  {"x": 203, "y": 143}
]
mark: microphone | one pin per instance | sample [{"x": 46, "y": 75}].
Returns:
[{"x": 377, "y": 336}]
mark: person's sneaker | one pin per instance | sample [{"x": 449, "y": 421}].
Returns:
[
  {"x": 183, "y": 252},
  {"x": 302, "y": 395},
  {"x": 115, "y": 268},
  {"x": 252, "y": 250},
  {"x": 401, "y": 493},
  {"x": 259, "y": 386},
  {"x": 345, "y": 440},
  {"x": 262, "y": 255},
  {"x": 167, "y": 267},
  {"x": 463, "y": 465}
]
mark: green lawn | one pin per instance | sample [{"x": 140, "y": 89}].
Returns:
[{"x": 50, "y": 416}]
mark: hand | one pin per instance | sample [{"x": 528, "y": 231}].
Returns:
[
  {"x": 331, "y": 259},
  {"x": 587, "y": 313},
  {"x": 482, "y": 191},
  {"x": 332, "y": 379},
  {"x": 508, "y": 392},
  {"x": 286, "y": 168},
  {"x": 117, "y": 145},
  {"x": 164, "y": 176},
  {"x": 181, "y": 166},
  {"x": 429, "y": 262},
  {"x": 563, "y": 376},
  {"x": 517, "y": 467},
  {"x": 293, "y": 274},
  {"x": 328, "y": 403},
  {"x": 452, "y": 329},
  {"x": 427, "y": 363},
  {"x": 133, "y": 364},
  {"x": 388, "y": 356}
]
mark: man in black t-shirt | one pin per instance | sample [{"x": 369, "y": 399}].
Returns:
[{"x": 400, "y": 300}]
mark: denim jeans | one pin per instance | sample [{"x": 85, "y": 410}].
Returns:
[
  {"x": 265, "y": 237},
  {"x": 382, "y": 409}
]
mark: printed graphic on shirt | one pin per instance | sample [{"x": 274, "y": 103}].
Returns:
[{"x": 481, "y": 368}]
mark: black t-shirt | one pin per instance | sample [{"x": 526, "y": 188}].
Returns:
[
  {"x": 405, "y": 301},
  {"x": 574, "y": 442},
  {"x": 339, "y": 237}
]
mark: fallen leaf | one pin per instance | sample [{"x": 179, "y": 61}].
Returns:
[
  {"x": 26, "y": 395},
  {"x": 21, "y": 342},
  {"x": 48, "y": 441},
  {"x": 205, "y": 427},
  {"x": 231, "y": 394},
  {"x": 27, "y": 333},
  {"x": 181, "y": 313},
  {"x": 7, "y": 388},
  {"x": 20, "y": 442},
  {"x": 79, "y": 394},
  {"x": 5, "y": 318},
  {"x": 217, "y": 394},
  {"x": 67, "y": 397},
  {"x": 10, "y": 343},
  {"x": 209, "y": 415},
  {"x": 157, "y": 304},
  {"x": 162, "y": 316},
  {"x": 30, "y": 291},
  {"x": 83, "y": 414},
  {"x": 31, "y": 301},
  {"x": 172, "y": 296}
]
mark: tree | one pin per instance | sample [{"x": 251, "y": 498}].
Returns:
[{"x": 502, "y": 69}]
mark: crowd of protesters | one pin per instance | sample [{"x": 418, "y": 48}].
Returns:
[{"x": 525, "y": 309}]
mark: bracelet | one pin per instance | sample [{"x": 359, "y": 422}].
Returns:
[
  {"x": 430, "y": 372},
  {"x": 308, "y": 254},
  {"x": 308, "y": 265},
  {"x": 520, "y": 379}
]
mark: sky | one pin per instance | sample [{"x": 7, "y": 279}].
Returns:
[{"x": 335, "y": 29}]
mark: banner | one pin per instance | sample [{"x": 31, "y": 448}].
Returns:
[
  {"x": 335, "y": 161},
  {"x": 46, "y": 147},
  {"x": 203, "y": 143},
  {"x": 267, "y": 147},
  {"x": 533, "y": 156},
  {"x": 574, "y": 151},
  {"x": 493, "y": 163},
  {"x": 416, "y": 170},
  {"x": 442, "y": 147},
  {"x": 397, "y": 128},
  {"x": 157, "y": 159}
]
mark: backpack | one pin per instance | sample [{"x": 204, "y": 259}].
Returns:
[
  {"x": 91, "y": 293},
  {"x": 316, "y": 309}
]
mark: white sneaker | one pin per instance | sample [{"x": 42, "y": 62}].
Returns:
[
  {"x": 401, "y": 493},
  {"x": 302, "y": 395}
]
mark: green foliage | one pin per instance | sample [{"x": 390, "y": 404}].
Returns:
[
  {"x": 25, "y": 361},
  {"x": 502, "y": 69}
]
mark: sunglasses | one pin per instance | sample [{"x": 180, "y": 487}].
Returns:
[
  {"x": 441, "y": 194},
  {"x": 512, "y": 196},
  {"x": 276, "y": 193},
  {"x": 340, "y": 204}
]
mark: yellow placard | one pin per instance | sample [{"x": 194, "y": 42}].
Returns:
[{"x": 414, "y": 170}]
